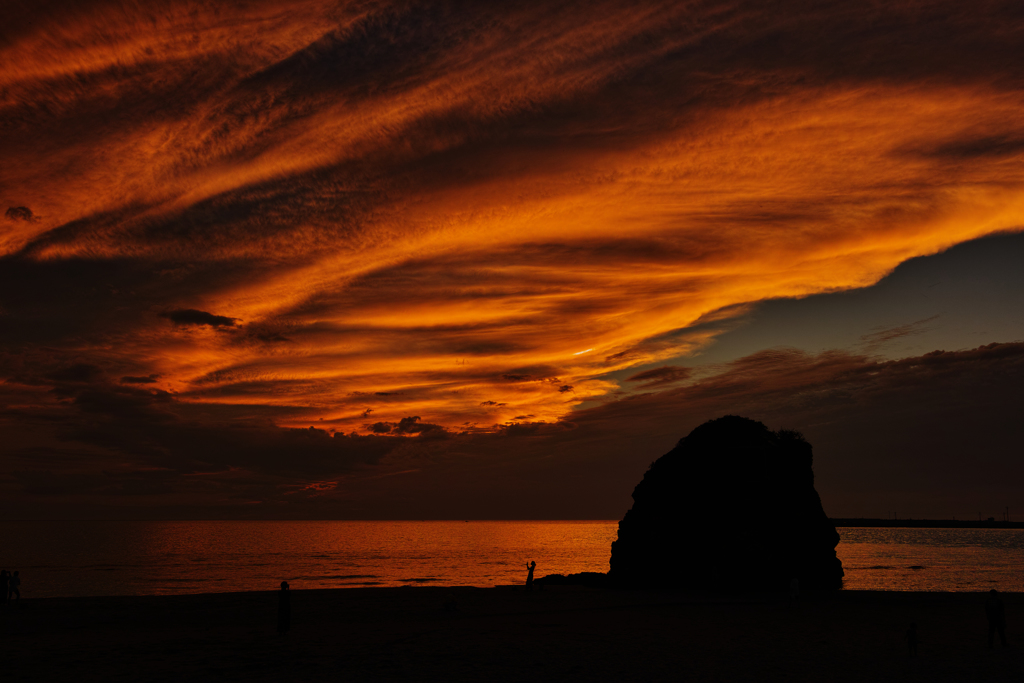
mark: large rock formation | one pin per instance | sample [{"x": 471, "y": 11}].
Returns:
[{"x": 732, "y": 506}]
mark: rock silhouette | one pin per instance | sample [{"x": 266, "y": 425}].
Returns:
[{"x": 732, "y": 506}]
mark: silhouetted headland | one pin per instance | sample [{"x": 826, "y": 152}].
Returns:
[{"x": 733, "y": 507}]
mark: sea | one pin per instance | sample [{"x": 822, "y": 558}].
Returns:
[{"x": 90, "y": 558}]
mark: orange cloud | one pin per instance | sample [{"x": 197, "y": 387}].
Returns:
[{"x": 455, "y": 214}]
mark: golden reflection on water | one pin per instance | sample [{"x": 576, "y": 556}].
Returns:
[
  {"x": 953, "y": 560},
  {"x": 158, "y": 558}
]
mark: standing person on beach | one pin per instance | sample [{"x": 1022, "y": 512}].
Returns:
[
  {"x": 284, "y": 609},
  {"x": 996, "y": 614},
  {"x": 530, "y": 566},
  {"x": 912, "y": 639},
  {"x": 14, "y": 584}
]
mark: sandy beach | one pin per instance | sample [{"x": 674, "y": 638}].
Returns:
[{"x": 503, "y": 633}]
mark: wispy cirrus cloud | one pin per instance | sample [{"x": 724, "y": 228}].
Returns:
[{"x": 877, "y": 339}]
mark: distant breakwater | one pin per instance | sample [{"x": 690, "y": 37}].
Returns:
[{"x": 927, "y": 523}]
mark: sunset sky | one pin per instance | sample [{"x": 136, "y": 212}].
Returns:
[{"x": 489, "y": 260}]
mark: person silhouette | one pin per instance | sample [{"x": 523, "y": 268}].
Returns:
[
  {"x": 530, "y": 566},
  {"x": 5, "y": 579},
  {"x": 14, "y": 585},
  {"x": 996, "y": 617},
  {"x": 284, "y": 609},
  {"x": 911, "y": 639}
]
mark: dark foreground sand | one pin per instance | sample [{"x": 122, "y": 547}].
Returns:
[{"x": 502, "y": 634}]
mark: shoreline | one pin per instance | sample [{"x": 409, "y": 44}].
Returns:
[
  {"x": 507, "y": 633},
  {"x": 666, "y": 594}
]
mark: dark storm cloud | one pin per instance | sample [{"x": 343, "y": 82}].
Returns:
[
  {"x": 409, "y": 425},
  {"x": 80, "y": 372},
  {"x": 146, "y": 483},
  {"x": 657, "y": 377},
  {"x": 149, "y": 379},
  {"x": 49, "y": 302},
  {"x": 270, "y": 337},
  {"x": 532, "y": 373},
  {"x": 152, "y": 444},
  {"x": 968, "y": 148},
  {"x": 18, "y": 213},
  {"x": 191, "y": 316}
]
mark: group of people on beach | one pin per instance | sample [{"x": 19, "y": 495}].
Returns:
[
  {"x": 996, "y": 614},
  {"x": 994, "y": 609},
  {"x": 10, "y": 586}
]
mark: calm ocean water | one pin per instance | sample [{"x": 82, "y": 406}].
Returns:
[{"x": 158, "y": 558}]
